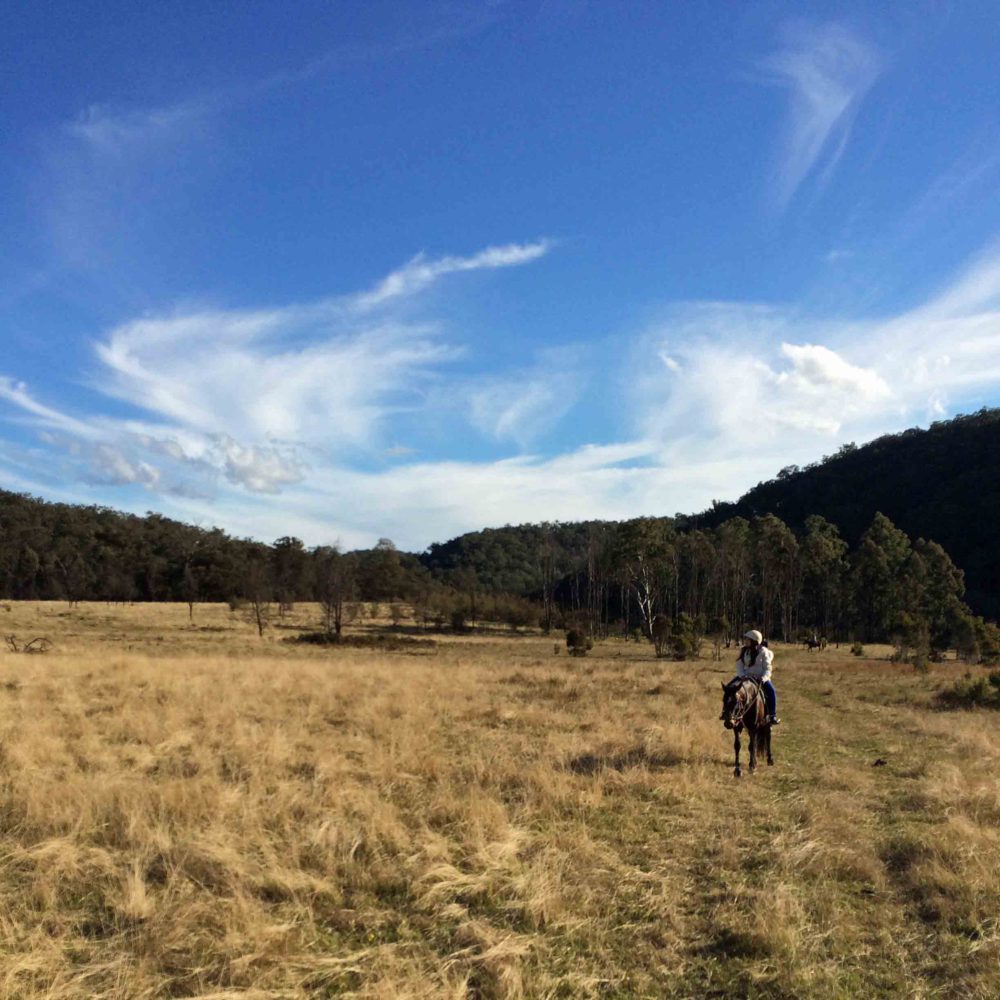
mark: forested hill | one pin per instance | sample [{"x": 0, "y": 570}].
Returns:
[
  {"x": 511, "y": 559},
  {"x": 942, "y": 484}
]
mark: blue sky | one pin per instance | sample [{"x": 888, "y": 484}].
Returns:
[{"x": 357, "y": 270}]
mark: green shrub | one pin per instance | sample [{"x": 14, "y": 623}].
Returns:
[
  {"x": 978, "y": 692},
  {"x": 578, "y": 642},
  {"x": 685, "y": 637},
  {"x": 857, "y": 649},
  {"x": 660, "y": 630}
]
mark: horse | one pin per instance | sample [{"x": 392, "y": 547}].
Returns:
[{"x": 743, "y": 708}]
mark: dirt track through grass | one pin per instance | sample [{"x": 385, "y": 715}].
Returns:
[{"x": 186, "y": 811}]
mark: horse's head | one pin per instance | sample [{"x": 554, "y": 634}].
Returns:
[{"x": 733, "y": 702}]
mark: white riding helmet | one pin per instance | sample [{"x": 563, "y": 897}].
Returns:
[{"x": 754, "y": 635}]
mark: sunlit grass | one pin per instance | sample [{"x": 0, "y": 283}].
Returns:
[{"x": 189, "y": 811}]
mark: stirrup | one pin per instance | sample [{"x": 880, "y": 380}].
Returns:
[{"x": 773, "y": 720}]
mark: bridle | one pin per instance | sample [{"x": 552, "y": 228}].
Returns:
[{"x": 747, "y": 703}]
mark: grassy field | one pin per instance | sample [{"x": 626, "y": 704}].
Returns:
[{"x": 189, "y": 811}]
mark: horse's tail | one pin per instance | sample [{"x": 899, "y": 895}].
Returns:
[{"x": 760, "y": 737}]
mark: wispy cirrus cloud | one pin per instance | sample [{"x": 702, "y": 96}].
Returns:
[
  {"x": 19, "y": 395},
  {"x": 420, "y": 272},
  {"x": 323, "y": 375},
  {"x": 269, "y": 376},
  {"x": 113, "y": 133},
  {"x": 826, "y": 70},
  {"x": 256, "y": 398},
  {"x": 521, "y": 406},
  {"x": 726, "y": 393},
  {"x": 109, "y": 170},
  {"x": 117, "y": 129}
]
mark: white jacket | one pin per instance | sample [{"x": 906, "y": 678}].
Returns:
[{"x": 760, "y": 670}]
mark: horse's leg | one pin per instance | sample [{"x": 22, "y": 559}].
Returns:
[
  {"x": 736, "y": 747},
  {"x": 767, "y": 745},
  {"x": 753, "y": 735}
]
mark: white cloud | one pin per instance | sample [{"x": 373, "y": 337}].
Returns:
[
  {"x": 260, "y": 469},
  {"x": 756, "y": 388},
  {"x": 827, "y": 70},
  {"x": 515, "y": 410},
  {"x": 251, "y": 376},
  {"x": 525, "y": 405},
  {"x": 820, "y": 371},
  {"x": 254, "y": 398},
  {"x": 419, "y": 273},
  {"x": 109, "y": 466},
  {"x": 310, "y": 401},
  {"x": 20, "y": 396},
  {"x": 320, "y": 375}
]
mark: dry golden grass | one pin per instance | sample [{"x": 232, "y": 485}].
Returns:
[{"x": 188, "y": 811}]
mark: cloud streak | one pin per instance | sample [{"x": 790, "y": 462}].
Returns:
[
  {"x": 420, "y": 273},
  {"x": 826, "y": 70}
]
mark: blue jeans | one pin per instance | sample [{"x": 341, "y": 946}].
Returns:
[{"x": 770, "y": 698}]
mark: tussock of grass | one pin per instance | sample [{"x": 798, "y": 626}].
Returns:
[{"x": 209, "y": 815}]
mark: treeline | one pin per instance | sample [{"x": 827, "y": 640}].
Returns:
[
  {"x": 768, "y": 560},
  {"x": 941, "y": 483},
  {"x": 53, "y": 551},
  {"x": 674, "y": 585}
]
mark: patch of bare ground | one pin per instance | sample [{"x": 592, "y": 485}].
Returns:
[{"x": 189, "y": 811}]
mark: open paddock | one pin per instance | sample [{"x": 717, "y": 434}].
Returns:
[{"x": 187, "y": 810}]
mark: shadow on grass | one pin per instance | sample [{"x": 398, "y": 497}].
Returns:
[
  {"x": 727, "y": 943},
  {"x": 376, "y": 640},
  {"x": 590, "y": 763}
]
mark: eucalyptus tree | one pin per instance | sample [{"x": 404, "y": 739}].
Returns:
[
  {"x": 880, "y": 588},
  {"x": 734, "y": 570},
  {"x": 647, "y": 554},
  {"x": 824, "y": 569},
  {"x": 334, "y": 579},
  {"x": 939, "y": 601},
  {"x": 779, "y": 579}
]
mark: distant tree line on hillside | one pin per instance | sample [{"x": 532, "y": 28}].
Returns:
[
  {"x": 669, "y": 583},
  {"x": 53, "y": 551},
  {"x": 656, "y": 577},
  {"x": 941, "y": 483},
  {"x": 839, "y": 569}
]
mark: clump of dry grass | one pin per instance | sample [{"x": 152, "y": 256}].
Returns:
[{"x": 209, "y": 815}]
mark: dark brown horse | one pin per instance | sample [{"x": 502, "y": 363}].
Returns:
[{"x": 743, "y": 708}]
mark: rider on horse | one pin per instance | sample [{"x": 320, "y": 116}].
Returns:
[{"x": 755, "y": 662}]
